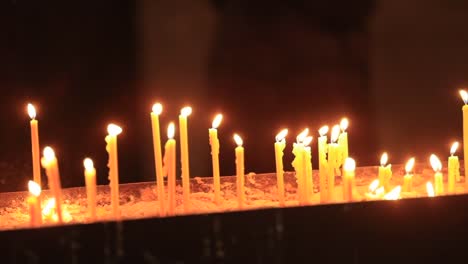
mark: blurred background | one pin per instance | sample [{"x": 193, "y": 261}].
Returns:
[{"x": 392, "y": 67}]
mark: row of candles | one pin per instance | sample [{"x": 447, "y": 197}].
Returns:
[{"x": 333, "y": 159}]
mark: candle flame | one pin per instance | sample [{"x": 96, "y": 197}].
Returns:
[
  {"x": 307, "y": 141},
  {"x": 157, "y": 108},
  {"x": 281, "y": 135},
  {"x": 170, "y": 130},
  {"x": 48, "y": 153},
  {"x": 349, "y": 164},
  {"x": 114, "y": 130},
  {"x": 323, "y": 131},
  {"x": 374, "y": 185},
  {"x": 430, "y": 189},
  {"x": 217, "y": 121},
  {"x": 238, "y": 140},
  {"x": 335, "y": 133},
  {"x": 435, "y": 163},
  {"x": 384, "y": 159},
  {"x": 394, "y": 194},
  {"x": 300, "y": 138},
  {"x": 186, "y": 111},
  {"x": 454, "y": 148},
  {"x": 344, "y": 124},
  {"x": 34, "y": 188},
  {"x": 31, "y": 111},
  {"x": 464, "y": 96},
  {"x": 409, "y": 165},
  {"x": 49, "y": 208},
  {"x": 88, "y": 164}
]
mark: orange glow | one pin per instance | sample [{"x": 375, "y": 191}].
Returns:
[
  {"x": 374, "y": 185},
  {"x": 186, "y": 111},
  {"x": 238, "y": 140},
  {"x": 344, "y": 124},
  {"x": 34, "y": 188},
  {"x": 464, "y": 96},
  {"x": 430, "y": 189},
  {"x": 300, "y": 138},
  {"x": 435, "y": 163},
  {"x": 31, "y": 111},
  {"x": 281, "y": 135},
  {"x": 114, "y": 130},
  {"x": 409, "y": 166},
  {"x": 217, "y": 121},
  {"x": 157, "y": 108},
  {"x": 454, "y": 148},
  {"x": 323, "y": 131},
  {"x": 48, "y": 153},
  {"x": 49, "y": 212},
  {"x": 384, "y": 159},
  {"x": 170, "y": 130},
  {"x": 307, "y": 141},
  {"x": 349, "y": 164},
  {"x": 394, "y": 194},
  {"x": 88, "y": 164},
  {"x": 335, "y": 133}
]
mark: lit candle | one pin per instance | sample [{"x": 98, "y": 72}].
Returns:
[
  {"x": 464, "y": 96},
  {"x": 453, "y": 168},
  {"x": 408, "y": 178},
  {"x": 299, "y": 165},
  {"x": 280, "y": 145},
  {"x": 35, "y": 145},
  {"x": 323, "y": 166},
  {"x": 438, "y": 178},
  {"x": 34, "y": 204},
  {"x": 157, "y": 110},
  {"x": 170, "y": 165},
  {"x": 113, "y": 164},
  {"x": 184, "y": 113},
  {"x": 240, "y": 170},
  {"x": 349, "y": 167},
  {"x": 430, "y": 189},
  {"x": 375, "y": 192},
  {"x": 214, "y": 142},
  {"x": 333, "y": 155},
  {"x": 90, "y": 180},
  {"x": 343, "y": 141},
  {"x": 309, "y": 184},
  {"x": 50, "y": 164},
  {"x": 394, "y": 194},
  {"x": 385, "y": 172}
]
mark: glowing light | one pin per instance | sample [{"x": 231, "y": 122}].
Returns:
[
  {"x": 409, "y": 166},
  {"x": 384, "y": 159},
  {"x": 374, "y": 185},
  {"x": 300, "y": 138},
  {"x": 435, "y": 163},
  {"x": 307, "y": 141},
  {"x": 281, "y": 135},
  {"x": 157, "y": 108},
  {"x": 430, "y": 189},
  {"x": 186, "y": 111},
  {"x": 464, "y": 96},
  {"x": 349, "y": 164},
  {"x": 170, "y": 130},
  {"x": 114, "y": 130},
  {"x": 217, "y": 121},
  {"x": 344, "y": 124},
  {"x": 335, "y": 133},
  {"x": 238, "y": 140},
  {"x": 31, "y": 111},
  {"x": 48, "y": 153},
  {"x": 34, "y": 188},
  {"x": 88, "y": 164},
  {"x": 49, "y": 209},
  {"x": 454, "y": 148},
  {"x": 394, "y": 194},
  {"x": 323, "y": 131}
]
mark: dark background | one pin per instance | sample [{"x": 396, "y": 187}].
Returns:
[{"x": 392, "y": 67}]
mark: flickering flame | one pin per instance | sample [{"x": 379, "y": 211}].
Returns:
[
  {"x": 281, "y": 135},
  {"x": 335, "y": 133},
  {"x": 217, "y": 121},
  {"x": 300, "y": 138},
  {"x": 48, "y": 153},
  {"x": 323, "y": 131},
  {"x": 31, "y": 111},
  {"x": 157, "y": 108},
  {"x": 238, "y": 140},
  {"x": 114, "y": 130},
  {"x": 49, "y": 209},
  {"x": 435, "y": 163},
  {"x": 307, "y": 141},
  {"x": 186, "y": 111},
  {"x": 384, "y": 159},
  {"x": 394, "y": 194},
  {"x": 409, "y": 165},
  {"x": 344, "y": 124},
  {"x": 170, "y": 130},
  {"x": 454, "y": 148},
  {"x": 88, "y": 164},
  {"x": 349, "y": 164},
  {"x": 34, "y": 188},
  {"x": 374, "y": 185},
  {"x": 464, "y": 96},
  {"x": 430, "y": 189}
]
